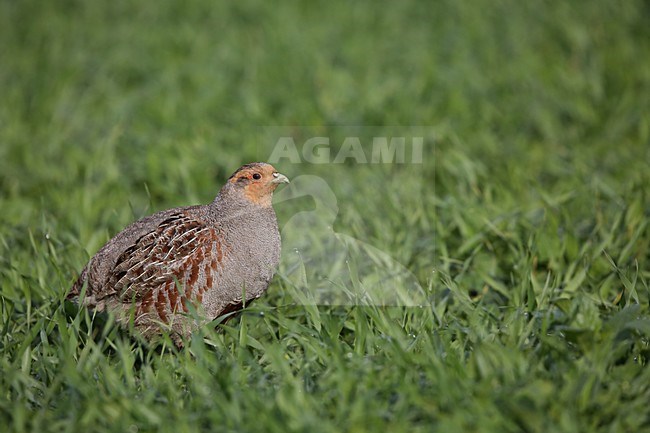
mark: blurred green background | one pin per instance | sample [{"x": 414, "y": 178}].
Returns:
[{"x": 527, "y": 221}]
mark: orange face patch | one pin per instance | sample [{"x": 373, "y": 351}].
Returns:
[{"x": 258, "y": 182}]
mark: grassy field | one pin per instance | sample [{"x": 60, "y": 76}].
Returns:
[{"x": 526, "y": 224}]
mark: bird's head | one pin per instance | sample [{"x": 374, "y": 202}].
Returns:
[{"x": 256, "y": 182}]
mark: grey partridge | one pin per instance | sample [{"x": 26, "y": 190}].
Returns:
[{"x": 212, "y": 257}]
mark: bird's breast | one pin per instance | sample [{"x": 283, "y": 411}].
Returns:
[{"x": 248, "y": 256}]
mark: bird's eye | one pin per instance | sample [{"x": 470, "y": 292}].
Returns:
[{"x": 257, "y": 176}]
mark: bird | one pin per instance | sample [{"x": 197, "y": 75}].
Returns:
[{"x": 210, "y": 259}]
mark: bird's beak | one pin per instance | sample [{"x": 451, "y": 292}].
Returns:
[{"x": 279, "y": 178}]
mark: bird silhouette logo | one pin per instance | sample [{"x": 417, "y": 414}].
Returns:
[{"x": 324, "y": 267}]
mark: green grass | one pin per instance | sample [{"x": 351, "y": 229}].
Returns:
[{"x": 527, "y": 223}]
